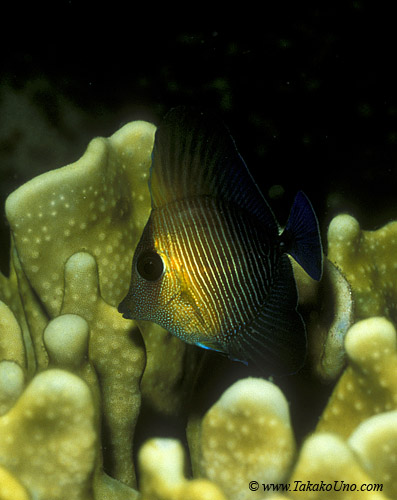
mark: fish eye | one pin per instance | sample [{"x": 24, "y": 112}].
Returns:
[{"x": 150, "y": 266}]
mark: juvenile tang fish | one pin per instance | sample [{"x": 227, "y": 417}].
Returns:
[{"x": 211, "y": 266}]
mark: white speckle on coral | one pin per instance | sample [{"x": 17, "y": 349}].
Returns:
[{"x": 358, "y": 405}]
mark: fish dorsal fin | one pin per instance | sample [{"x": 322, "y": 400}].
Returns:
[{"x": 194, "y": 155}]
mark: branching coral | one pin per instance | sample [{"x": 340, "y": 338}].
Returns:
[
  {"x": 162, "y": 463},
  {"x": 367, "y": 258},
  {"x": 97, "y": 205},
  {"x": 375, "y": 443},
  {"x": 247, "y": 434},
  {"x": 74, "y": 374},
  {"x": 369, "y": 384},
  {"x": 326, "y": 468},
  {"x": 84, "y": 207},
  {"x": 10, "y": 488},
  {"x": 48, "y": 440},
  {"x": 115, "y": 351}
]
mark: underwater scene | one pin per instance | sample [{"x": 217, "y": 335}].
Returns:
[{"x": 198, "y": 259}]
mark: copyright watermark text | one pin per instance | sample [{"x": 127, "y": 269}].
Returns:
[{"x": 319, "y": 486}]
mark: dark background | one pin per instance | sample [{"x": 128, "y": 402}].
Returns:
[{"x": 308, "y": 92}]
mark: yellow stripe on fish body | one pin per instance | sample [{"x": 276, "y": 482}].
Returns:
[
  {"x": 216, "y": 270},
  {"x": 211, "y": 267}
]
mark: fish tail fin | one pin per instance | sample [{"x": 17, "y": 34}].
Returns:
[{"x": 301, "y": 237}]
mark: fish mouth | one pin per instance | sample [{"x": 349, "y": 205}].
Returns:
[
  {"x": 196, "y": 318},
  {"x": 123, "y": 309}
]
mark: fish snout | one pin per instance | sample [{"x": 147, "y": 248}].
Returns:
[{"x": 124, "y": 309}]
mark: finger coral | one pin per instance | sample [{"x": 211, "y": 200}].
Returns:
[
  {"x": 94, "y": 205},
  {"x": 48, "y": 440},
  {"x": 115, "y": 352},
  {"x": 10, "y": 488},
  {"x": 367, "y": 258},
  {"x": 11, "y": 343},
  {"x": 369, "y": 384},
  {"x": 77, "y": 380},
  {"x": 55, "y": 315},
  {"x": 327, "y": 466},
  {"x": 11, "y": 384},
  {"x": 375, "y": 444},
  {"x": 247, "y": 434},
  {"x": 162, "y": 463}
]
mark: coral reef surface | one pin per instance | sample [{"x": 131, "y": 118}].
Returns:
[{"x": 93, "y": 406}]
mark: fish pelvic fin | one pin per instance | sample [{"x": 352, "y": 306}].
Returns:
[
  {"x": 275, "y": 341},
  {"x": 301, "y": 237}
]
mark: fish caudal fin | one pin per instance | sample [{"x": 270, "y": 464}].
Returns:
[
  {"x": 275, "y": 341},
  {"x": 301, "y": 237}
]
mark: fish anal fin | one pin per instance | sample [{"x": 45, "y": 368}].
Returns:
[{"x": 275, "y": 341}]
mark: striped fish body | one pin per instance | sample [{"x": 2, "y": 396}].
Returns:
[
  {"x": 217, "y": 268},
  {"x": 211, "y": 266}
]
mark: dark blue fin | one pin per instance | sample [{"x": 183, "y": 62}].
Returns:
[
  {"x": 194, "y": 155},
  {"x": 275, "y": 341},
  {"x": 301, "y": 237}
]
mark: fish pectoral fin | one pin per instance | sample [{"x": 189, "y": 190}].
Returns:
[{"x": 275, "y": 341}]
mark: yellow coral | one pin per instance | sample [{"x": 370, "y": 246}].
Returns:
[
  {"x": 327, "y": 468},
  {"x": 10, "y": 488},
  {"x": 367, "y": 258},
  {"x": 11, "y": 344},
  {"x": 247, "y": 435},
  {"x": 12, "y": 382},
  {"x": 98, "y": 204},
  {"x": 161, "y": 462},
  {"x": 93, "y": 329},
  {"x": 66, "y": 340},
  {"x": 375, "y": 443},
  {"x": 369, "y": 384},
  {"x": 95, "y": 205},
  {"x": 48, "y": 439}
]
